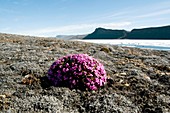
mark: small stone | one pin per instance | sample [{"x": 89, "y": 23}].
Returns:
[
  {"x": 116, "y": 74},
  {"x": 121, "y": 81},
  {"x": 168, "y": 74},
  {"x": 123, "y": 62},
  {"x": 168, "y": 68},
  {"x": 105, "y": 49},
  {"x": 29, "y": 79},
  {"x": 93, "y": 92},
  {"x": 147, "y": 77},
  {"x": 127, "y": 84},
  {"x": 2, "y": 96},
  {"x": 162, "y": 73},
  {"x": 123, "y": 74}
]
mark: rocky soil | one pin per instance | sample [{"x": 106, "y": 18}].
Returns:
[{"x": 139, "y": 79}]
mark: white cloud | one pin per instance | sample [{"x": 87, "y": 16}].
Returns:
[
  {"x": 75, "y": 29},
  {"x": 158, "y": 13}
]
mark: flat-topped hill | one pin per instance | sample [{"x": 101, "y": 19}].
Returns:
[{"x": 145, "y": 33}]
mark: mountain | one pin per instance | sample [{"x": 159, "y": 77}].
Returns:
[
  {"x": 101, "y": 33},
  {"x": 70, "y": 37},
  {"x": 150, "y": 33},
  {"x": 144, "y": 33}
]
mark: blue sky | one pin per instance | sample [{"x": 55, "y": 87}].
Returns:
[{"x": 58, "y": 17}]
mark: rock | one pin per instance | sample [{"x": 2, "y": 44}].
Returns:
[
  {"x": 123, "y": 74},
  {"x": 127, "y": 84},
  {"x": 2, "y": 96},
  {"x": 107, "y": 50},
  {"x": 29, "y": 80}
]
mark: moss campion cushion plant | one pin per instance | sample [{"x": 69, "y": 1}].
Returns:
[{"x": 77, "y": 71}]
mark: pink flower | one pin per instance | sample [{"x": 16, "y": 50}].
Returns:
[
  {"x": 93, "y": 87},
  {"x": 64, "y": 69},
  {"x": 74, "y": 82},
  {"x": 79, "y": 68},
  {"x": 90, "y": 75},
  {"x": 60, "y": 66},
  {"x": 67, "y": 69},
  {"x": 67, "y": 64},
  {"x": 73, "y": 69},
  {"x": 85, "y": 73},
  {"x": 81, "y": 73},
  {"x": 97, "y": 80},
  {"x": 65, "y": 78}
]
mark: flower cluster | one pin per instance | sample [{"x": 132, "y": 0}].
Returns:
[{"x": 77, "y": 71}]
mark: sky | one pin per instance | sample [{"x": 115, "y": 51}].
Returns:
[{"x": 72, "y": 17}]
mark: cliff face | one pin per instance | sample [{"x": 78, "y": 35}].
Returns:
[
  {"x": 101, "y": 33},
  {"x": 150, "y": 33},
  {"x": 145, "y": 33}
]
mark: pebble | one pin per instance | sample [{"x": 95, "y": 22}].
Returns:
[
  {"x": 2, "y": 96},
  {"x": 162, "y": 73},
  {"x": 123, "y": 74},
  {"x": 147, "y": 77},
  {"x": 127, "y": 84}
]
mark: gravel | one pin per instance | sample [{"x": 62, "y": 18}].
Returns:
[{"x": 139, "y": 79}]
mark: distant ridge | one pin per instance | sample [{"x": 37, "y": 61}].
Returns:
[
  {"x": 150, "y": 33},
  {"x": 101, "y": 33},
  {"x": 144, "y": 33},
  {"x": 70, "y": 37}
]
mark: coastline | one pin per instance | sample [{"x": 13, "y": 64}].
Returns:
[
  {"x": 139, "y": 78},
  {"x": 143, "y": 44}
]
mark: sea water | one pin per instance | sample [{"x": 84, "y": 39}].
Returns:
[{"x": 146, "y": 44}]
